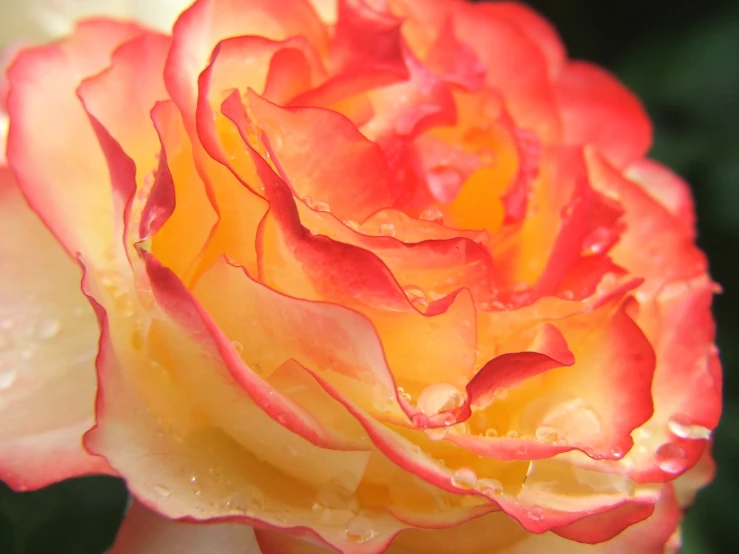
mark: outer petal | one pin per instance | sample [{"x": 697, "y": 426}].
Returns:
[
  {"x": 667, "y": 188},
  {"x": 61, "y": 170},
  {"x": 597, "y": 109},
  {"x": 48, "y": 337},
  {"x": 146, "y": 532}
]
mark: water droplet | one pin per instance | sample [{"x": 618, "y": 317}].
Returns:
[
  {"x": 617, "y": 452},
  {"x": 162, "y": 491},
  {"x": 387, "y": 230},
  {"x": 440, "y": 397},
  {"x": 687, "y": 431},
  {"x": 413, "y": 291},
  {"x": 464, "y": 478},
  {"x": 6, "y": 341},
  {"x": 7, "y": 378},
  {"x": 491, "y": 433},
  {"x": 536, "y": 513},
  {"x": 353, "y": 225},
  {"x": 545, "y": 433},
  {"x": 238, "y": 347},
  {"x": 322, "y": 207},
  {"x": 599, "y": 240},
  {"x": 436, "y": 433},
  {"x": 574, "y": 419},
  {"x": 671, "y": 458},
  {"x": 281, "y": 418},
  {"x": 512, "y": 434},
  {"x": 432, "y": 214},
  {"x": 359, "y": 529},
  {"x": 490, "y": 487},
  {"x": 308, "y": 201},
  {"x": 291, "y": 450}
]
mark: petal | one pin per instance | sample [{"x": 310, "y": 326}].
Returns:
[
  {"x": 646, "y": 537},
  {"x": 323, "y": 156},
  {"x": 667, "y": 188},
  {"x": 146, "y": 532},
  {"x": 536, "y": 28},
  {"x": 208, "y": 22},
  {"x": 670, "y": 253},
  {"x": 48, "y": 337},
  {"x": 51, "y": 145},
  {"x": 596, "y": 109},
  {"x": 515, "y": 65},
  {"x": 176, "y": 457},
  {"x": 134, "y": 81}
]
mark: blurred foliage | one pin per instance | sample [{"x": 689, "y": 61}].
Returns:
[{"x": 681, "y": 59}]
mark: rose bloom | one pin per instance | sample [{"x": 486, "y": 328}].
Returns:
[{"x": 357, "y": 276}]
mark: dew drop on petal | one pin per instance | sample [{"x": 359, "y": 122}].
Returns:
[
  {"x": 162, "y": 491},
  {"x": 7, "y": 378},
  {"x": 359, "y": 529},
  {"x": 491, "y": 433},
  {"x": 490, "y": 487},
  {"x": 545, "y": 433},
  {"x": 322, "y": 207},
  {"x": 432, "y": 214},
  {"x": 439, "y": 397},
  {"x": 686, "y": 431},
  {"x": 238, "y": 347},
  {"x": 387, "y": 230},
  {"x": 671, "y": 458},
  {"x": 536, "y": 513},
  {"x": 465, "y": 478}
]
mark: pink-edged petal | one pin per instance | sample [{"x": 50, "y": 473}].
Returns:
[
  {"x": 181, "y": 453},
  {"x": 208, "y": 22},
  {"x": 119, "y": 102},
  {"x": 648, "y": 536},
  {"x": 515, "y": 65},
  {"x": 669, "y": 254},
  {"x": 48, "y": 342},
  {"x": 454, "y": 61},
  {"x": 536, "y": 28},
  {"x": 61, "y": 170},
  {"x": 146, "y": 532},
  {"x": 348, "y": 173},
  {"x": 353, "y": 358},
  {"x": 667, "y": 188},
  {"x": 596, "y": 109},
  {"x": 189, "y": 214},
  {"x": 367, "y": 41}
]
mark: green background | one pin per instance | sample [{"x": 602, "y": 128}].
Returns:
[{"x": 681, "y": 58}]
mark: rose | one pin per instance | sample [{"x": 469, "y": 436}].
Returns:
[{"x": 369, "y": 276}]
